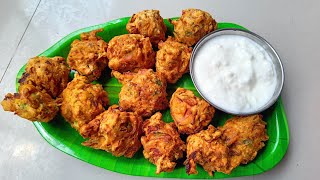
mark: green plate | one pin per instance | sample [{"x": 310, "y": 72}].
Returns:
[{"x": 59, "y": 133}]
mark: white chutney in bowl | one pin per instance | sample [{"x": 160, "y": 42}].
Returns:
[{"x": 237, "y": 71}]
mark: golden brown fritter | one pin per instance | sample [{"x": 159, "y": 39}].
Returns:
[
  {"x": 130, "y": 52},
  {"x": 148, "y": 23},
  {"x": 207, "y": 149},
  {"x": 82, "y": 101},
  {"x": 88, "y": 56},
  {"x": 172, "y": 59},
  {"x": 193, "y": 25},
  {"x": 143, "y": 92},
  {"x": 48, "y": 74},
  {"x": 235, "y": 143},
  {"x": 162, "y": 144},
  {"x": 244, "y": 136},
  {"x": 31, "y": 104},
  {"x": 190, "y": 113},
  {"x": 115, "y": 131}
]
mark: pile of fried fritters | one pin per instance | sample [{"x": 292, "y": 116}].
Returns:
[{"x": 136, "y": 121}]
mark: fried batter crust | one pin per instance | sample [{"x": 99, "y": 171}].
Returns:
[
  {"x": 207, "y": 149},
  {"x": 88, "y": 56},
  {"x": 193, "y": 25},
  {"x": 130, "y": 52},
  {"x": 115, "y": 131},
  {"x": 172, "y": 59},
  {"x": 31, "y": 104},
  {"x": 162, "y": 144},
  {"x": 82, "y": 101},
  {"x": 143, "y": 92},
  {"x": 190, "y": 113},
  {"x": 48, "y": 74},
  {"x": 148, "y": 23},
  {"x": 235, "y": 143},
  {"x": 244, "y": 136}
]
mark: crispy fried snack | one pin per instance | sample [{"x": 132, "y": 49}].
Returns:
[
  {"x": 48, "y": 74},
  {"x": 82, "y": 101},
  {"x": 130, "y": 52},
  {"x": 88, "y": 56},
  {"x": 115, "y": 131},
  {"x": 172, "y": 59},
  {"x": 207, "y": 149},
  {"x": 244, "y": 136},
  {"x": 143, "y": 92},
  {"x": 193, "y": 25},
  {"x": 190, "y": 113},
  {"x": 162, "y": 144},
  {"x": 235, "y": 143},
  {"x": 148, "y": 23},
  {"x": 31, "y": 104}
]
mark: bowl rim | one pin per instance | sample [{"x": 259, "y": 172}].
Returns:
[{"x": 277, "y": 92}]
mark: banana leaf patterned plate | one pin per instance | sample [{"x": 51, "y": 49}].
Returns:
[{"x": 59, "y": 133}]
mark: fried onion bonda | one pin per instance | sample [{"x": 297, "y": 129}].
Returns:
[
  {"x": 162, "y": 144},
  {"x": 31, "y": 104},
  {"x": 130, "y": 52},
  {"x": 143, "y": 92},
  {"x": 82, "y": 101},
  {"x": 115, "y": 131},
  {"x": 193, "y": 25},
  {"x": 148, "y": 23},
  {"x": 88, "y": 56},
  {"x": 172, "y": 59},
  {"x": 190, "y": 113},
  {"x": 48, "y": 74},
  {"x": 236, "y": 142},
  {"x": 207, "y": 149},
  {"x": 244, "y": 136}
]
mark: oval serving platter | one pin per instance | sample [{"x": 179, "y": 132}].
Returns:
[{"x": 60, "y": 135}]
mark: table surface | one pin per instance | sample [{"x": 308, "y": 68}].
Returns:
[{"x": 28, "y": 27}]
